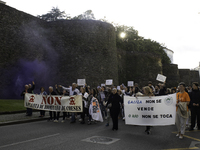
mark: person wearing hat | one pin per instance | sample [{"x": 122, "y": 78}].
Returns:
[
  {"x": 195, "y": 106},
  {"x": 183, "y": 101}
]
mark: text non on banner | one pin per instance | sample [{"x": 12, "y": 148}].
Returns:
[
  {"x": 54, "y": 103},
  {"x": 154, "y": 111}
]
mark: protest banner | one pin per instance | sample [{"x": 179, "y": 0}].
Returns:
[
  {"x": 54, "y": 103},
  {"x": 130, "y": 83},
  {"x": 81, "y": 82},
  {"x": 103, "y": 85},
  {"x": 109, "y": 82},
  {"x": 154, "y": 111},
  {"x": 161, "y": 78},
  {"x": 118, "y": 87},
  {"x": 95, "y": 111}
]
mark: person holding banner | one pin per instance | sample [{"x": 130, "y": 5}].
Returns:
[
  {"x": 94, "y": 109},
  {"x": 114, "y": 100},
  {"x": 183, "y": 101},
  {"x": 51, "y": 92},
  {"x": 148, "y": 92},
  {"x": 72, "y": 91},
  {"x": 64, "y": 93},
  {"x": 28, "y": 90},
  {"x": 42, "y": 92}
]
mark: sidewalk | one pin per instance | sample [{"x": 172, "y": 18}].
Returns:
[{"x": 16, "y": 118}]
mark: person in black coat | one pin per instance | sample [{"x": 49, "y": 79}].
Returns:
[
  {"x": 28, "y": 90},
  {"x": 114, "y": 100},
  {"x": 195, "y": 106}
]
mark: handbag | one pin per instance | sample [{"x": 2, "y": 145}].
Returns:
[{"x": 183, "y": 109}]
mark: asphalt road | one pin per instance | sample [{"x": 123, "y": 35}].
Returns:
[{"x": 60, "y": 136}]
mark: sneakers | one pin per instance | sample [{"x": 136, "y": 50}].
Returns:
[
  {"x": 107, "y": 124},
  {"x": 89, "y": 123},
  {"x": 181, "y": 137},
  {"x": 63, "y": 121},
  {"x": 55, "y": 121}
]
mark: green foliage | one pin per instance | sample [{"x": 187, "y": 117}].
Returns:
[
  {"x": 135, "y": 43},
  {"x": 54, "y": 15},
  {"x": 88, "y": 15},
  {"x": 11, "y": 105}
]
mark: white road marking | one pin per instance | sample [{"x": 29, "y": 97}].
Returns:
[{"x": 29, "y": 140}]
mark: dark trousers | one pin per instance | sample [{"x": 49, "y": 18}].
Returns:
[
  {"x": 148, "y": 128},
  {"x": 64, "y": 115},
  {"x": 42, "y": 112},
  {"x": 195, "y": 113},
  {"x": 50, "y": 114},
  {"x": 29, "y": 111},
  {"x": 56, "y": 115},
  {"x": 114, "y": 115},
  {"x": 85, "y": 111}
]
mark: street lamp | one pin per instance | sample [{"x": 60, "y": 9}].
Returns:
[{"x": 122, "y": 35}]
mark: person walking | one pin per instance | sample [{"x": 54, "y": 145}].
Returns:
[
  {"x": 195, "y": 106},
  {"x": 183, "y": 101},
  {"x": 115, "y": 101}
]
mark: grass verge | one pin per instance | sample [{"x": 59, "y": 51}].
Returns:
[{"x": 9, "y": 105}]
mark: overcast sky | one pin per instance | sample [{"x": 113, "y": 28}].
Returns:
[{"x": 176, "y": 23}]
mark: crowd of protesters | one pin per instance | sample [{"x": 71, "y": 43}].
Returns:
[{"x": 110, "y": 99}]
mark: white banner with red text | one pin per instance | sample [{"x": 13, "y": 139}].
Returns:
[
  {"x": 54, "y": 102},
  {"x": 150, "y": 111}
]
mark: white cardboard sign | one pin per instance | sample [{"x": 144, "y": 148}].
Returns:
[
  {"x": 161, "y": 78},
  {"x": 103, "y": 85},
  {"x": 109, "y": 82},
  {"x": 130, "y": 83},
  {"x": 81, "y": 82}
]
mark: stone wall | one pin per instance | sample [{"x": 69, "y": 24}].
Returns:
[
  {"x": 188, "y": 76},
  {"x": 66, "y": 50},
  {"x": 53, "y": 52}
]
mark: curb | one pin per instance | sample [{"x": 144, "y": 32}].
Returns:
[
  {"x": 22, "y": 121},
  {"x": 15, "y": 112}
]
